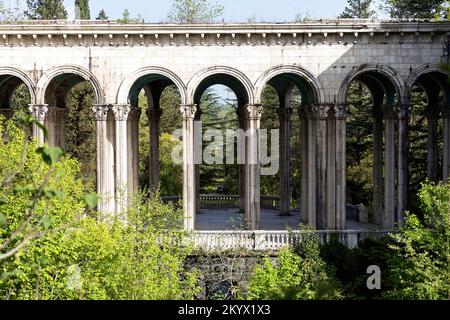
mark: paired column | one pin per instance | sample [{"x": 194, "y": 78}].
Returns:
[
  {"x": 389, "y": 168},
  {"x": 402, "y": 158},
  {"x": 121, "y": 155},
  {"x": 154, "y": 118},
  {"x": 304, "y": 145},
  {"x": 253, "y": 167},
  {"x": 320, "y": 113},
  {"x": 241, "y": 144},
  {"x": 105, "y": 160},
  {"x": 189, "y": 184},
  {"x": 377, "y": 202},
  {"x": 55, "y": 123},
  {"x": 446, "y": 151},
  {"x": 312, "y": 168},
  {"x": 432, "y": 148},
  {"x": 341, "y": 167},
  {"x": 133, "y": 150},
  {"x": 285, "y": 157},
  {"x": 39, "y": 112}
]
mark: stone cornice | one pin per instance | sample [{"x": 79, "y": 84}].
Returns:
[{"x": 89, "y": 33}]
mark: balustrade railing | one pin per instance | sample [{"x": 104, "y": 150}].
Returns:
[{"x": 276, "y": 240}]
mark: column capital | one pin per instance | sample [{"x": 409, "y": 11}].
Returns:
[
  {"x": 135, "y": 114},
  {"x": 403, "y": 110},
  {"x": 320, "y": 111},
  {"x": 254, "y": 111},
  {"x": 121, "y": 111},
  {"x": 388, "y": 111},
  {"x": 154, "y": 113},
  {"x": 39, "y": 111},
  {"x": 340, "y": 111},
  {"x": 100, "y": 112},
  {"x": 285, "y": 113},
  {"x": 188, "y": 111}
]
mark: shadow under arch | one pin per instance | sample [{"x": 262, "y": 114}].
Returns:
[
  {"x": 310, "y": 87},
  {"x": 390, "y": 80},
  {"x": 13, "y": 77},
  {"x": 431, "y": 78},
  {"x": 131, "y": 86},
  {"x": 227, "y": 76},
  {"x": 71, "y": 74}
]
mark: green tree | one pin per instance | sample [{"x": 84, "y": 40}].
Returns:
[
  {"x": 360, "y": 9},
  {"x": 194, "y": 11},
  {"x": 45, "y": 10},
  {"x": 83, "y": 7},
  {"x": 12, "y": 13},
  {"x": 102, "y": 15},
  {"x": 418, "y": 9}
]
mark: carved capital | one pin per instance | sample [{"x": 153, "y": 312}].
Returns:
[
  {"x": 284, "y": 113},
  {"x": 320, "y": 111},
  {"x": 100, "y": 112},
  {"x": 134, "y": 115},
  {"x": 340, "y": 111},
  {"x": 154, "y": 113},
  {"x": 388, "y": 111},
  {"x": 188, "y": 111},
  {"x": 121, "y": 112},
  {"x": 39, "y": 111},
  {"x": 403, "y": 111},
  {"x": 254, "y": 111}
]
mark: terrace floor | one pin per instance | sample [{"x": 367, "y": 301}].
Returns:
[{"x": 231, "y": 219}]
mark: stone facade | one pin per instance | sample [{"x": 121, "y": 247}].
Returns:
[{"x": 319, "y": 57}]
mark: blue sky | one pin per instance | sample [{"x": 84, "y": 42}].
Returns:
[{"x": 235, "y": 10}]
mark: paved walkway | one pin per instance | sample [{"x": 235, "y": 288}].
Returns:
[{"x": 231, "y": 219}]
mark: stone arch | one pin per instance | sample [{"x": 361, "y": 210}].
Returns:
[
  {"x": 428, "y": 69},
  {"x": 127, "y": 84},
  {"x": 233, "y": 73},
  {"x": 15, "y": 72},
  {"x": 51, "y": 74},
  {"x": 303, "y": 73},
  {"x": 386, "y": 71}
]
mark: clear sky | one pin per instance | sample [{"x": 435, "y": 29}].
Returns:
[{"x": 235, "y": 10}]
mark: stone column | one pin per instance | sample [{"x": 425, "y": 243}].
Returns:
[
  {"x": 312, "y": 168},
  {"x": 402, "y": 158},
  {"x": 243, "y": 126},
  {"x": 133, "y": 150},
  {"x": 303, "y": 116},
  {"x": 61, "y": 118},
  {"x": 198, "y": 147},
  {"x": 189, "y": 196},
  {"x": 389, "y": 168},
  {"x": 121, "y": 112},
  {"x": 253, "y": 167},
  {"x": 105, "y": 168},
  {"x": 154, "y": 118},
  {"x": 285, "y": 160},
  {"x": 377, "y": 202},
  {"x": 39, "y": 112},
  {"x": 321, "y": 117},
  {"x": 341, "y": 167},
  {"x": 446, "y": 151},
  {"x": 432, "y": 148}
]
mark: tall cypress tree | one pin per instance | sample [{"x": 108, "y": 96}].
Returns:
[
  {"x": 45, "y": 10},
  {"x": 358, "y": 9},
  {"x": 83, "y": 6}
]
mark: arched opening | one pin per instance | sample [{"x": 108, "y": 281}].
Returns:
[
  {"x": 427, "y": 141},
  {"x": 155, "y": 114},
  {"x": 14, "y": 96},
  {"x": 70, "y": 121},
  {"x": 221, "y": 100},
  {"x": 284, "y": 187},
  {"x": 371, "y": 154}
]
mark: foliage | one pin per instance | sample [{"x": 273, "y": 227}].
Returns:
[
  {"x": 418, "y": 9},
  {"x": 46, "y": 10},
  {"x": 360, "y": 9},
  {"x": 102, "y": 15},
  {"x": 12, "y": 13},
  {"x": 299, "y": 274},
  {"x": 194, "y": 11},
  {"x": 83, "y": 7},
  {"x": 126, "y": 18},
  {"x": 420, "y": 265}
]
